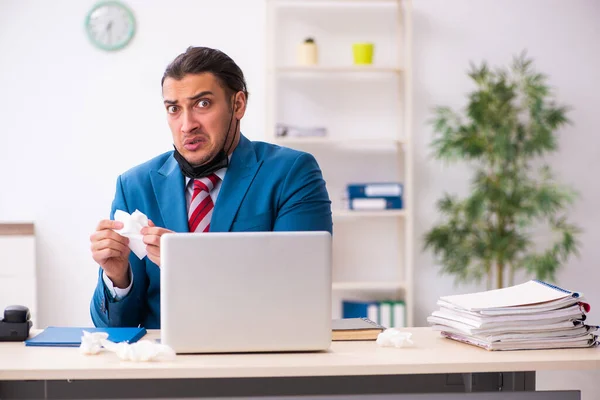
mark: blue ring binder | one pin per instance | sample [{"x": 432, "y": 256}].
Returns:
[{"x": 574, "y": 294}]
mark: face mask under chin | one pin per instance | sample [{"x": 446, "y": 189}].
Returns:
[{"x": 196, "y": 172}]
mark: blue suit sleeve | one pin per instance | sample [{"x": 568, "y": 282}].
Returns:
[
  {"x": 304, "y": 203},
  {"x": 128, "y": 311}
]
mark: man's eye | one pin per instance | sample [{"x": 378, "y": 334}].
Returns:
[
  {"x": 203, "y": 103},
  {"x": 172, "y": 109}
]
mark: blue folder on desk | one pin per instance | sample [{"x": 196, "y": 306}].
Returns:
[{"x": 71, "y": 337}]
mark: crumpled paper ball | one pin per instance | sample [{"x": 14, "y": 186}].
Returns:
[
  {"x": 91, "y": 343},
  {"x": 393, "y": 337}
]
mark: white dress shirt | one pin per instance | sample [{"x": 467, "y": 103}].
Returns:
[{"x": 119, "y": 293}]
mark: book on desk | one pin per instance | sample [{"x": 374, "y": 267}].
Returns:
[{"x": 355, "y": 329}]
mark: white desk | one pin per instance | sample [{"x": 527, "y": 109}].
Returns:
[{"x": 431, "y": 355}]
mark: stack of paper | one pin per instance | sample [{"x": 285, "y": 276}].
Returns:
[{"x": 532, "y": 315}]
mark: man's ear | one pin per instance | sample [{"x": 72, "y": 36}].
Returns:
[{"x": 239, "y": 105}]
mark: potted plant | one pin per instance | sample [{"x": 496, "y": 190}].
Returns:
[{"x": 509, "y": 124}]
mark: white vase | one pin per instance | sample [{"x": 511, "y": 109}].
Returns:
[{"x": 307, "y": 53}]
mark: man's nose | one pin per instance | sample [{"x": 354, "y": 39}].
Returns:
[{"x": 189, "y": 123}]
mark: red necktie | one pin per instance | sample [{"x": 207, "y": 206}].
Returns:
[{"x": 202, "y": 205}]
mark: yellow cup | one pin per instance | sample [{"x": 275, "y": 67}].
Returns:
[{"x": 363, "y": 53}]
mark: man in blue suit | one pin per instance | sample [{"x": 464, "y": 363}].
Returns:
[{"x": 214, "y": 180}]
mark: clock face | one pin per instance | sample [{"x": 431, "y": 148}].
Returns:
[{"x": 110, "y": 25}]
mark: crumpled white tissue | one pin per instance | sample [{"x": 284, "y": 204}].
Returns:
[
  {"x": 91, "y": 342},
  {"x": 394, "y": 338},
  {"x": 143, "y": 350},
  {"x": 132, "y": 225}
]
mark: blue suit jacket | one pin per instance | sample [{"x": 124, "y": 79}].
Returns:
[{"x": 266, "y": 188}]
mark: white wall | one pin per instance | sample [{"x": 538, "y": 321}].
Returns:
[
  {"x": 73, "y": 117},
  {"x": 562, "y": 36},
  {"x": 562, "y": 39}
]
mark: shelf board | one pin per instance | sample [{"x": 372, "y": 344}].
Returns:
[
  {"x": 362, "y": 4},
  {"x": 367, "y": 286},
  {"x": 338, "y": 141},
  {"x": 319, "y": 69},
  {"x": 369, "y": 213}
]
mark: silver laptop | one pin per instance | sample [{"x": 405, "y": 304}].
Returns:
[{"x": 246, "y": 291}]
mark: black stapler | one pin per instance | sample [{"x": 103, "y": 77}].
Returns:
[{"x": 15, "y": 325}]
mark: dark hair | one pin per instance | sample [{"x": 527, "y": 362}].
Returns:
[{"x": 197, "y": 60}]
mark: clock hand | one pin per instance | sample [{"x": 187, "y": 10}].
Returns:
[{"x": 109, "y": 31}]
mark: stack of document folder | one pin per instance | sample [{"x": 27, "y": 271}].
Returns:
[{"x": 532, "y": 315}]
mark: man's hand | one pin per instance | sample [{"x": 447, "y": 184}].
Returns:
[
  {"x": 110, "y": 250},
  {"x": 152, "y": 236}
]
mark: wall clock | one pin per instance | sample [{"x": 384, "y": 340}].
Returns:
[{"x": 110, "y": 25}]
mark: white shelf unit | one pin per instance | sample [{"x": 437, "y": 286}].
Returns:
[
  {"x": 18, "y": 283},
  {"x": 367, "y": 112}
]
